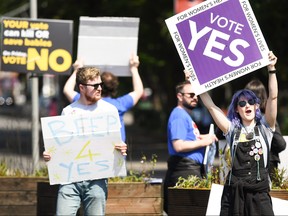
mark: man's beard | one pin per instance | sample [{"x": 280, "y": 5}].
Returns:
[
  {"x": 188, "y": 106},
  {"x": 92, "y": 99}
]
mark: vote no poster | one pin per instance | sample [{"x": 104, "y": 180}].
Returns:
[
  {"x": 38, "y": 46},
  {"x": 218, "y": 41},
  {"x": 82, "y": 147}
]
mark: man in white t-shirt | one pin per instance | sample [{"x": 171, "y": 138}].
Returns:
[{"x": 92, "y": 193}]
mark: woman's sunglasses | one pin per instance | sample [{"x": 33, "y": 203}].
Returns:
[{"x": 243, "y": 103}]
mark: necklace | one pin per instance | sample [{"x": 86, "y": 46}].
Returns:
[{"x": 249, "y": 135}]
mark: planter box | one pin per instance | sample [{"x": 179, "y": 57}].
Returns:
[
  {"x": 46, "y": 198},
  {"x": 187, "y": 201},
  {"x": 35, "y": 196},
  {"x": 18, "y": 195},
  {"x": 134, "y": 199},
  {"x": 281, "y": 194},
  {"x": 123, "y": 198}
]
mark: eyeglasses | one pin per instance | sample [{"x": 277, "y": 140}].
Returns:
[
  {"x": 96, "y": 85},
  {"x": 191, "y": 95},
  {"x": 243, "y": 103}
]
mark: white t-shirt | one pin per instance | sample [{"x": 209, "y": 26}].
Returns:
[{"x": 76, "y": 108}]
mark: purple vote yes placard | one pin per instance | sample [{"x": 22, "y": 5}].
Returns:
[{"x": 218, "y": 41}]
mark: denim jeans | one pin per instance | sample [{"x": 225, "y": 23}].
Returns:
[{"x": 92, "y": 194}]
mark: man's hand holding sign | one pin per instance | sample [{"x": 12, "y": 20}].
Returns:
[
  {"x": 80, "y": 147},
  {"x": 84, "y": 147}
]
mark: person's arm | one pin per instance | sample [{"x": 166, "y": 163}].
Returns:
[
  {"x": 70, "y": 84},
  {"x": 217, "y": 114},
  {"x": 278, "y": 142},
  {"x": 271, "y": 105},
  {"x": 191, "y": 145},
  {"x": 136, "y": 79}
]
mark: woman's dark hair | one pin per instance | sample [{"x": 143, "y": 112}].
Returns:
[
  {"x": 259, "y": 89},
  {"x": 110, "y": 84}
]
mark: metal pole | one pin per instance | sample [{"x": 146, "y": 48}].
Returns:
[{"x": 35, "y": 102}]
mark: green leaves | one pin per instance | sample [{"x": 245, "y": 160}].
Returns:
[
  {"x": 279, "y": 181},
  {"x": 193, "y": 182},
  {"x": 145, "y": 173}
]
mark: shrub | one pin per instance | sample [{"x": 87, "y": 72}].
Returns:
[
  {"x": 279, "y": 181},
  {"x": 146, "y": 172},
  {"x": 194, "y": 182}
]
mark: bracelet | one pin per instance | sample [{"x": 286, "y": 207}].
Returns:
[{"x": 272, "y": 72}]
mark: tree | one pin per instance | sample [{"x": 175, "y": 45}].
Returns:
[{"x": 160, "y": 66}]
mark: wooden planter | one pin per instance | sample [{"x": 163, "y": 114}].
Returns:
[
  {"x": 35, "y": 196},
  {"x": 123, "y": 199},
  {"x": 18, "y": 195},
  {"x": 187, "y": 201},
  {"x": 281, "y": 194},
  {"x": 134, "y": 199}
]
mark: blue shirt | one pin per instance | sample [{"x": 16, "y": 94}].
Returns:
[
  {"x": 123, "y": 104},
  {"x": 181, "y": 126}
]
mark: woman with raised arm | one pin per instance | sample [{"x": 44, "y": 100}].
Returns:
[{"x": 246, "y": 190}]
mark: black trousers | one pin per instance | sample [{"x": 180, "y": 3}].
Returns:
[{"x": 179, "y": 167}]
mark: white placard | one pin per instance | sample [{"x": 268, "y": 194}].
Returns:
[
  {"x": 210, "y": 152},
  {"x": 280, "y": 206},
  {"x": 284, "y": 158},
  {"x": 108, "y": 42},
  {"x": 214, "y": 202},
  {"x": 82, "y": 147}
]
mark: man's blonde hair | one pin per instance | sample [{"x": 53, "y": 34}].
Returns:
[{"x": 85, "y": 74}]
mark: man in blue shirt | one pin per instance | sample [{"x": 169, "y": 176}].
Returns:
[{"x": 186, "y": 145}]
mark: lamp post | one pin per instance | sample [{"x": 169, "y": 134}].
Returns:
[{"x": 35, "y": 102}]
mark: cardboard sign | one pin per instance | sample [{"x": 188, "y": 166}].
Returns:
[
  {"x": 214, "y": 202},
  {"x": 38, "y": 46},
  {"x": 218, "y": 41},
  {"x": 108, "y": 43},
  {"x": 210, "y": 152},
  {"x": 283, "y": 155},
  {"x": 82, "y": 147}
]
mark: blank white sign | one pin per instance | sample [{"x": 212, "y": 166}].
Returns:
[{"x": 108, "y": 42}]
